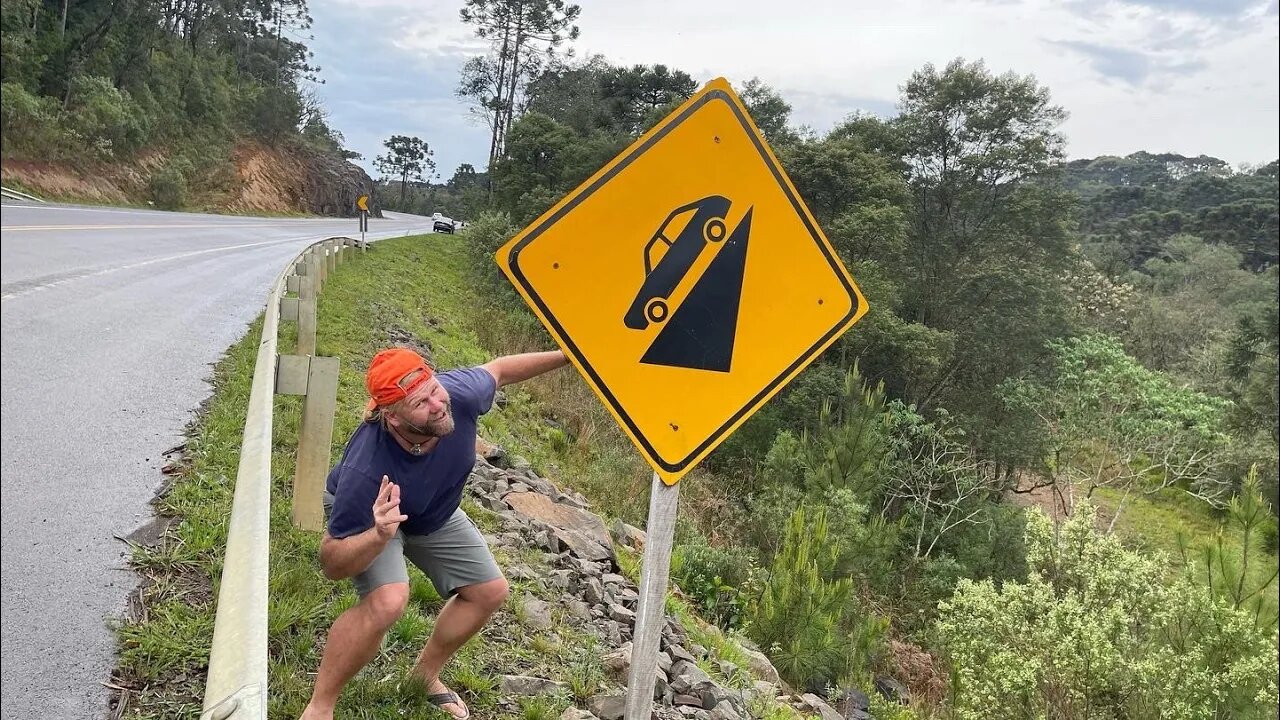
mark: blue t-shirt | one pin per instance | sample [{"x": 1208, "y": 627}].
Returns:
[{"x": 430, "y": 484}]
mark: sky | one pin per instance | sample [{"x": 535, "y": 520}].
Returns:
[{"x": 1184, "y": 76}]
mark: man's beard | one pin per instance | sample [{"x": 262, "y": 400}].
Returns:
[{"x": 436, "y": 428}]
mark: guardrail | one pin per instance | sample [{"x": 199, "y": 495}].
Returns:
[
  {"x": 237, "y": 682},
  {"x": 15, "y": 195}
]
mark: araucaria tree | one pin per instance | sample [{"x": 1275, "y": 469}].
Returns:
[{"x": 406, "y": 157}]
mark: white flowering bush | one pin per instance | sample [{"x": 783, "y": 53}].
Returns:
[{"x": 1097, "y": 632}]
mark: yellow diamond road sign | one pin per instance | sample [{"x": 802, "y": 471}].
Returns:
[
  {"x": 362, "y": 202},
  {"x": 686, "y": 280}
]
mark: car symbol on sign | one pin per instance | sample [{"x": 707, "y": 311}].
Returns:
[{"x": 667, "y": 261}]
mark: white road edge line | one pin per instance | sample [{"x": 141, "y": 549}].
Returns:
[{"x": 131, "y": 266}]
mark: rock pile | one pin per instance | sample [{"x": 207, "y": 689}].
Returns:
[{"x": 580, "y": 549}]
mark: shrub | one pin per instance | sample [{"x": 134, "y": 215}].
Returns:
[
  {"x": 168, "y": 187},
  {"x": 106, "y": 119},
  {"x": 715, "y": 579},
  {"x": 30, "y": 122},
  {"x": 796, "y": 617},
  {"x": 1095, "y": 632}
]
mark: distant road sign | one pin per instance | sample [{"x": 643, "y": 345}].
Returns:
[
  {"x": 686, "y": 280},
  {"x": 363, "y": 203}
]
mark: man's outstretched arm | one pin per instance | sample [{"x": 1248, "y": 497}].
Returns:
[{"x": 511, "y": 369}]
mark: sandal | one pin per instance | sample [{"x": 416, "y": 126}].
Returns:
[{"x": 449, "y": 698}]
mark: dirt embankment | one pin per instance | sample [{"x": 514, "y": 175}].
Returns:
[{"x": 254, "y": 179}]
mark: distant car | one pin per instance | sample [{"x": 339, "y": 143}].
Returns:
[
  {"x": 667, "y": 260},
  {"x": 440, "y": 223}
]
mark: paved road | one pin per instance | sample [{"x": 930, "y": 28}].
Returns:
[{"x": 111, "y": 321}]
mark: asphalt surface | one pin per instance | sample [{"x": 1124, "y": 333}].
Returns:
[{"x": 112, "y": 320}]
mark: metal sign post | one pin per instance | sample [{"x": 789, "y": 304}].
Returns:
[
  {"x": 650, "y": 618},
  {"x": 363, "y": 204}
]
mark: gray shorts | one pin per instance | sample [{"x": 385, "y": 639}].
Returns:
[{"x": 454, "y": 556}]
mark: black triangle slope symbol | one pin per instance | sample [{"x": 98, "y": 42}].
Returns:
[{"x": 700, "y": 334}]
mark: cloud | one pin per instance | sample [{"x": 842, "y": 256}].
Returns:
[
  {"x": 1129, "y": 66},
  {"x": 1190, "y": 76}
]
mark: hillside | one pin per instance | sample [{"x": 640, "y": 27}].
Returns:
[
  {"x": 201, "y": 106},
  {"x": 252, "y": 180}
]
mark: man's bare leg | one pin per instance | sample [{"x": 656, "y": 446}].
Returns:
[
  {"x": 353, "y": 641},
  {"x": 459, "y": 620}
]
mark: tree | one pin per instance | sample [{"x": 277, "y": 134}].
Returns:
[
  {"x": 988, "y": 240},
  {"x": 771, "y": 113},
  {"x": 406, "y": 157},
  {"x": 523, "y": 35},
  {"x": 936, "y": 476},
  {"x": 637, "y": 97},
  {"x": 1110, "y": 422},
  {"x": 798, "y": 613},
  {"x": 463, "y": 178}
]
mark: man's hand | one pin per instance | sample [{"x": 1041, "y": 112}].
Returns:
[{"x": 386, "y": 509}]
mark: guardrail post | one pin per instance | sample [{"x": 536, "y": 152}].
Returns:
[
  {"x": 307, "y": 321},
  {"x": 315, "y": 378},
  {"x": 331, "y": 253},
  {"x": 315, "y": 259}
]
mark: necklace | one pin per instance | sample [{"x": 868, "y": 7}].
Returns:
[{"x": 417, "y": 446}]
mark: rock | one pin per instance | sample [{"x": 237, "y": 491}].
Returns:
[
  {"x": 629, "y": 535},
  {"x": 760, "y": 666},
  {"x": 685, "y": 676},
  {"x": 698, "y": 650},
  {"x": 520, "y": 572},
  {"x": 662, "y": 691},
  {"x": 679, "y": 653},
  {"x": 725, "y": 711},
  {"x": 621, "y": 614},
  {"x": 711, "y": 693},
  {"x": 576, "y": 501},
  {"x": 854, "y": 699},
  {"x": 519, "y": 487},
  {"x": 579, "y": 609},
  {"x": 537, "y": 613},
  {"x": 593, "y": 591},
  {"x": 690, "y": 700},
  {"x": 494, "y": 504},
  {"x": 573, "y": 713},
  {"x": 612, "y": 632},
  {"x": 813, "y": 702},
  {"x": 728, "y": 669},
  {"x": 615, "y": 579},
  {"x": 545, "y": 538},
  {"x": 664, "y": 662},
  {"x": 492, "y": 454},
  {"x": 765, "y": 689},
  {"x": 893, "y": 690},
  {"x": 526, "y": 685},
  {"x": 607, "y": 707},
  {"x": 560, "y": 580},
  {"x": 619, "y": 661},
  {"x": 583, "y": 532},
  {"x": 586, "y": 568}
]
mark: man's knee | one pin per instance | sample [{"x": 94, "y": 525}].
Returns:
[
  {"x": 386, "y": 603},
  {"x": 489, "y": 595}
]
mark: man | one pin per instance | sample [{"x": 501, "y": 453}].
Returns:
[{"x": 396, "y": 494}]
